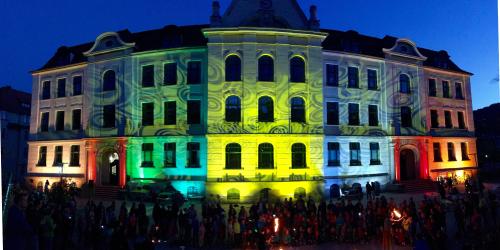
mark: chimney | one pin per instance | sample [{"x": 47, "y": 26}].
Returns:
[
  {"x": 215, "y": 19},
  {"x": 313, "y": 18}
]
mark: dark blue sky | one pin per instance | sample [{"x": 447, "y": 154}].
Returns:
[{"x": 32, "y": 30}]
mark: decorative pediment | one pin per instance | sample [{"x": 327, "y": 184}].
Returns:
[
  {"x": 405, "y": 48},
  {"x": 108, "y": 42}
]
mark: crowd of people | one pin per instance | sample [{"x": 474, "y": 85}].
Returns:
[{"x": 55, "y": 219}]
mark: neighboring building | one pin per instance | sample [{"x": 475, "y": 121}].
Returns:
[
  {"x": 15, "y": 108},
  {"x": 488, "y": 135},
  {"x": 261, "y": 101}
]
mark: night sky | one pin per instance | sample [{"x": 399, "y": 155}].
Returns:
[{"x": 32, "y": 30}]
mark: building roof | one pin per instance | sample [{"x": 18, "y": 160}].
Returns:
[
  {"x": 173, "y": 36},
  {"x": 15, "y": 101}
]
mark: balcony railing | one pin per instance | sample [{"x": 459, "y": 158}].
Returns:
[{"x": 259, "y": 177}]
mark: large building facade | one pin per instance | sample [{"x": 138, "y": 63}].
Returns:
[{"x": 261, "y": 101}]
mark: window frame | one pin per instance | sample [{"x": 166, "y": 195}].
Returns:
[
  {"x": 434, "y": 119},
  {"x": 106, "y": 86},
  {"x": 148, "y": 116},
  {"x": 75, "y": 156},
  {"x": 333, "y": 148},
  {"x": 464, "y": 150},
  {"x": 232, "y": 111},
  {"x": 297, "y": 111},
  {"x": 331, "y": 75},
  {"x": 79, "y": 121},
  {"x": 451, "y": 151},
  {"x": 261, "y": 77},
  {"x": 353, "y": 71},
  {"x": 193, "y": 151},
  {"x": 148, "y": 81},
  {"x": 42, "y": 155},
  {"x": 371, "y": 122},
  {"x": 433, "y": 90},
  {"x": 147, "y": 155},
  {"x": 269, "y": 116},
  {"x": 233, "y": 68},
  {"x": 197, "y": 77},
  {"x": 402, "y": 117},
  {"x": 375, "y": 153},
  {"x": 58, "y": 156},
  {"x": 58, "y": 90},
  {"x": 233, "y": 156},
  {"x": 60, "y": 122},
  {"x": 167, "y": 113},
  {"x": 262, "y": 160},
  {"x": 352, "y": 118},
  {"x": 169, "y": 148},
  {"x": 80, "y": 86},
  {"x": 300, "y": 75},
  {"x": 167, "y": 77},
  {"x": 44, "y": 127},
  {"x": 448, "y": 119},
  {"x": 373, "y": 79},
  {"x": 113, "y": 115},
  {"x": 193, "y": 118},
  {"x": 298, "y": 156},
  {"x": 436, "y": 149},
  {"x": 404, "y": 87},
  {"x": 354, "y": 154},
  {"x": 46, "y": 90}
]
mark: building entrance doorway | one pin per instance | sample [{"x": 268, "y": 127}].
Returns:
[
  {"x": 408, "y": 165},
  {"x": 110, "y": 169}
]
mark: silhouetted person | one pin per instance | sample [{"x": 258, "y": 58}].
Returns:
[{"x": 18, "y": 233}]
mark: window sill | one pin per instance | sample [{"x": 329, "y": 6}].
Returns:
[
  {"x": 170, "y": 167},
  {"x": 74, "y": 165},
  {"x": 193, "y": 83},
  {"x": 41, "y": 166},
  {"x": 438, "y": 161},
  {"x": 332, "y": 86},
  {"x": 235, "y": 81},
  {"x": 373, "y": 89},
  {"x": 355, "y": 164},
  {"x": 374, "y": 126},
  {"x": 260, "y": 81},
  {"x": 233, "y": 168},
  {"x": 376, "y": 163},
  {"x": 353, "y": 87},
  {"x": 266, "y": 121},
  {"x": 298, "y": 82},
  {"x": 266, "y": 168},
  {"x": 299, "y": 168},
  {"x": 355, "y": 125},
  {"x": 152, "y": 86},
  {"x": 193, "y": 166},
  {"x": 169, "y": 84},
  {"x": 452, "y": 160}
]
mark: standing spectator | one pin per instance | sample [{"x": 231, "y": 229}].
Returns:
[
  {"x": 18, "y": 233},
  {"x": 368, "y": 191}
]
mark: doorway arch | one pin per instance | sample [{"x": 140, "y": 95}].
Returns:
[
  {"x": 408, "y": 165},
  {"x": 109, "y": 168}
]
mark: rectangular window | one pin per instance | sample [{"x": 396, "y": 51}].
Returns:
[
  {"x": 193, "y": 112},
  {"x": 333, "y": 154},
  {"x": 451, "y": 152},
  {"x": 447, "y": 119},
  {"x": 332, "y": 113},
  {"x": 353, "y": 77},
  {"x": 42, "y": 157},
  {"x": 461, "y": 120},
  {"x": 77, "y": 85},
  {"x": 148, "y": 114},
  {"x": 332, "y": 75},
  {"x": 58, "y": 156},
  {"x": 170, "y": 74},
  {"x": 44, "y": 123},
  {"x": 437, "y": 152},
  {"x": 353, "y": 114},
  {"x": 77, "y": 119},
  {"x": 108, "y": 116},
  {"x": 432, "y": 87},
  {"x": 446, "y": 89},
  {"x": 193, "y": 155},
  {"x": 169, "y": 160},
  {"x": 170, "y": 116},
  {"x": 372, "y": 79},
  {"x": 372, "y": 115},
  {"x": 355, "y": 154},
  {"x": 75, "y": 156},
  {"x": 60, "y": 121},
  {"x": 194, "y": 72},
  {"x": 148, "y": 76},
  {"x": 459, "y": 94},
  {"x": 147, "y": 155},
  {"x": 46, "y": 90},
  {"x": 465, "y": 151},
  {"x": 61, "y": 87},
  {"x": 406, "y": 117},
  {"x": 374, "y": 153},
  {"x": 434, "y": 119}
]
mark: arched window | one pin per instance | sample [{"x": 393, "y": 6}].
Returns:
[
  {"x": 233, "y": 156},
  {"x": 404, "y": 83},
  {"x": 233, "y": 109},
  {"x": 233, "y": 68},
  {"x": 297, "y": 70},
  {"x": 233, "y": 194},
  {"x": 266, "y": 156},
  {"x": 298, "y": 110},
  {"x": 266, "y": 109},
  {"x": 266, "y": 69},
  {"x": 109, "y": 81},
  {"x": 298, "y": 155}
]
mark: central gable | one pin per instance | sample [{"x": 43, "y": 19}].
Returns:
[{"x": 265, "y": 13}]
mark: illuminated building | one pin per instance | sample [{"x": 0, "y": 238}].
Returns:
[{"x": 261, "y": 101}]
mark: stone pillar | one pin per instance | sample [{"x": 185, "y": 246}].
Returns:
[
  {"x": 397, "y": 173},
  {"x": 122, "y": 151},
  {"x": 91, "y": 161}
]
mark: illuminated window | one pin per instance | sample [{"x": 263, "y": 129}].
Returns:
[
  {"x": 465, "y": 152},
  {"x": 353, "y": 114},
  {"x": 332, "y": 75},
  {"x": 42, "y": 157},
  {"x": 372, "y": 79},
  {"x": 46, "y": 90},
  {"x": 451, "y": 152},
  {"x": 332, "y": 113},
  {"x": 266, "y": 69},
  {"x": 298, "y": 110},
  {"x": 297, "y": 70},
  {"x": 446, "y": 89},
  {"x": 374, "y": 153},
  {"x": 148, "y": 76},
  {"x": 233, "y": 194},
  {"x": 355, "y": 154},
  {"x": 298, "y": 155},
  {"x": 44, "y": 123},
  {"x": 58, "y": 155},
  {"x": 77, "y": 119},
  {"x": 169, "y": 157},
  {"x": 406, "y": 117},
  {"x": 75, "y": 156},
  {"x": 109, "y": 81},
  {"x": 60, "y": 121},
  {"x": 458, "y": 91},
  {"x": 193, "y": 112},
  {"x": 233, "y": 69},
  {"x": 233, "y": 156},
  {"x": 194, "y": 72},
  {"x": 447, "y": 119},
  {"x": 148, "y": 114},
  {"x": 404, "y": 84},
  {"x": 170, "y": 74},
  {"x": 333, "y": 154},
  {"x": 352, "y": 77},
  {"x": 461, "y": 120},
  {"x": 108, "y": 116},
  {"x": 193, "y": 155},
  {"x": 437, "y": 152},
  {"x": 233, "y": 109},
  {"x": 170, "y": 113},
  {"x": 372, "y": 115},
  {"x": 77, "y": 85},
  {"x": 266, "y": 156},
  {"x": 147, "y": 155},
  {"x": 266, "y": 109},
  {"x": 61, "y": 87},
  {"x": 432, "y": 87}
]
